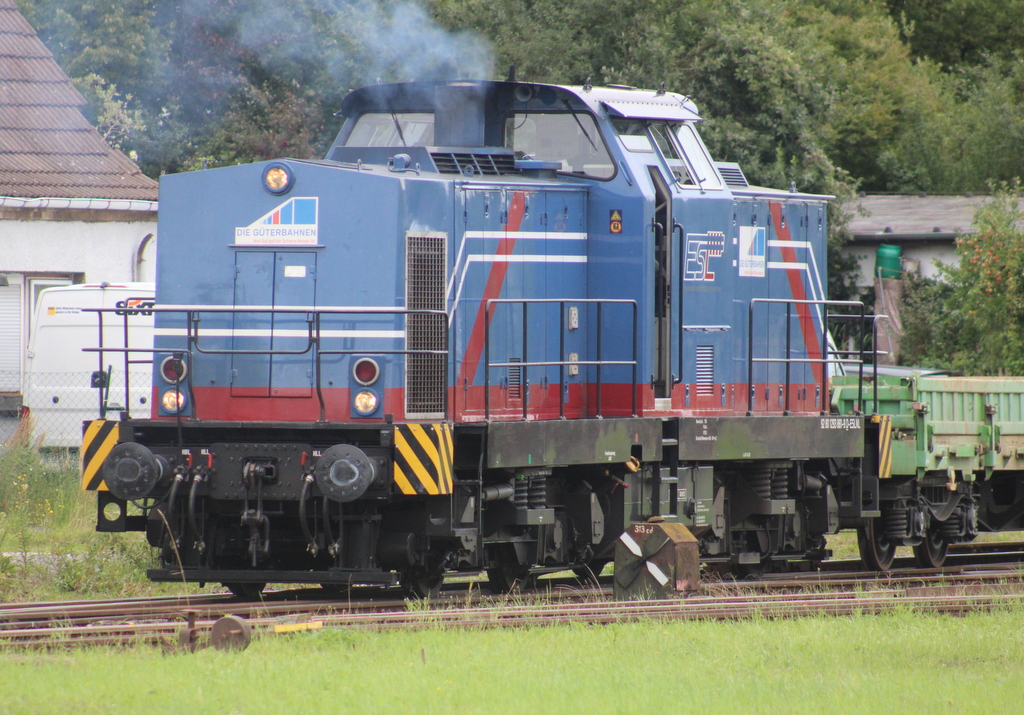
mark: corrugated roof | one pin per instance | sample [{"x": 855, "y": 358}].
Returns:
[{"x": 47, "y": 148}]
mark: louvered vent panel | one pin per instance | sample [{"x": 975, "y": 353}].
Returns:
[
  {"x": 425, "y": 375},
  {"x": 515, "y": 380},
  {"x": 472, "y": 164},
  {"x": 732, "y": 174},
  {"x": 705, "y": 369}
]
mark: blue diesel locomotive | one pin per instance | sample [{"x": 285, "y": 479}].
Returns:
[{"x": 497, "y": 324}]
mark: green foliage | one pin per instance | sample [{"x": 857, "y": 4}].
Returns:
[
  {"x": 988, "y": 289},
  {"x": 35, "y": 491},
  {"x": 957, "y": 32},
  {"x": 974, "y": 321},
  {"x": 928, "y": 328}
]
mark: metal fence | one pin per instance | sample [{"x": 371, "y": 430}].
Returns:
[{"x": 58, "y": 402}]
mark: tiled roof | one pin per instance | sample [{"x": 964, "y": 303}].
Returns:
[{"x": 47, "y": 148}]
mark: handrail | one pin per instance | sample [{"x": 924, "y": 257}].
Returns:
[
  {"x": 824, "y": 360},
  {"x": 314, "y": 337},
  {"x": 561, "y": 362}
]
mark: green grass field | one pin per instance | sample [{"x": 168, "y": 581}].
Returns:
[{"x": 902, "y": 662}]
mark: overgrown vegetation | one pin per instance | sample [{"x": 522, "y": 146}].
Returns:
[
  {"x": 973, "y": 321},
  {"x": 48, "y": 547}
]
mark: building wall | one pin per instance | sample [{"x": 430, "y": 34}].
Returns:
[
  {"x": 918, "y": 259},
  {"x": 44, "y": 247}
]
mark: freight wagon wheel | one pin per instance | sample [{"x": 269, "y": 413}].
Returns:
[
  {"x": 421, "y": 584},
  {"x": 245, "y": 591},
  {"x": 877, "y": 550},
  {"x": 931, "y": 552}
]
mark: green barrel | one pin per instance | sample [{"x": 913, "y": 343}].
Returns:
[{"x": 887, "y": 262}]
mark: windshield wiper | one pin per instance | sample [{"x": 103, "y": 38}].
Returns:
[
  {"x": 394, "y": 118},
  {"x": 580, "y": 124},
  {"x": 398, "y": 126}
]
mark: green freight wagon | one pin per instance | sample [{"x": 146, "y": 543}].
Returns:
[{"x": 950, "y": 460}]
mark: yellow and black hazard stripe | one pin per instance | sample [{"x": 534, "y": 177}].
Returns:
[
  {"x": 98, "y": 438},
  {"x": 423, "y": 459},
  {"x": 884, "y": 445}
]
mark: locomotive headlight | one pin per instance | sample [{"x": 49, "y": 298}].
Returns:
[
  {"x": 173, "y": 401},
  {"x": 365, "y": 402},
  {"x": 173, "y": 369},
  {"x": 277, "y": 179},
  {"x": 366, "y": 371}
]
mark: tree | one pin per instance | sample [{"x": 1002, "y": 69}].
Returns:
[
  {"x": 959, "y": 32},
  {"x": 974, "y": 322},
  {"x": 988, "y": 288}
]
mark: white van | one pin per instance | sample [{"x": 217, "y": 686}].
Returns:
[{"x": 57, "y": 392}]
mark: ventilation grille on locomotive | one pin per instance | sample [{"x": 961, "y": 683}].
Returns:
[
  {"x": 705, "y": 369},
  {"x": 474, "y": 163},
  {"x": 515, "y": 380},
  {"x": 425, "y": 374},
  {"x": 732, "y": 174}
]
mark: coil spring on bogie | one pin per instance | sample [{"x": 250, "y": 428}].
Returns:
[
  {"x": 895, "y": 523},
  {"x": 538, "y": 493},
  {"x": 953, "y": 527},
  {"x": 770, "y": 480},
  {"x": 521, "y": 498},
  {"x": 761, "y": 481},
  {"x": 780, "y": 484}
]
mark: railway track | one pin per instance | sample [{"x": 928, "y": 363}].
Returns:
[{"x": 190, "y": 622}]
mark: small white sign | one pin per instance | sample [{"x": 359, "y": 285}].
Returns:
[{"x": 294, "y": 271}]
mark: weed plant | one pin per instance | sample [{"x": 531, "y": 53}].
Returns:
[{"x": 49, "y": 549}]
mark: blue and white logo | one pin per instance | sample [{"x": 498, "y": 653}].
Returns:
[
  {"x": 752, "y": 251},
  {"x": 293, "y": 223},
  {"x": 700, "y": 249}
]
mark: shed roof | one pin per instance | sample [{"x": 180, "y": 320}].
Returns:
[
  {"x": 914, "y": 217},
  {"x": 47, "y": 148}
]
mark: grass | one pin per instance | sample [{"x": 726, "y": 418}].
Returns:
[
  {"x": 903, "y": 661},
  {"x": 49, "y": 549}
]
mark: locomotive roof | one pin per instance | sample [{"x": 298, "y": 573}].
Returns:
[{"x": 617, "y": 100}]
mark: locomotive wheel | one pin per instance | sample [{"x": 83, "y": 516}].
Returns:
[
  {"x": 877, "y": 551},
  {"x": 505, "y": 579},
  {"x": 421, "y": 584},
  {"x": 508, "y": 574},
  {"x": 588, "y": 573},
  {"x": 931, "y": 552},
  {"x": 245, "y": 591}
]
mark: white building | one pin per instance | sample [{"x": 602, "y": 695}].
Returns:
[
  {"x": 72, "y": 209},
  {"x": 924, "y": 227}
]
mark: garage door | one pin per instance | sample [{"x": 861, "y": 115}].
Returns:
[{"x": 10, "y": 338}]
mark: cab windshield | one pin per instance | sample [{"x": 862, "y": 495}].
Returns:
[
  {"x": 399, "y": 129},
  {"x": 572, "y": 140}
]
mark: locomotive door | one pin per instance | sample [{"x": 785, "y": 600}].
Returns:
[
  {"x": 707, "y": 300},
  {"x": 662, "y": 299},
  {"x": 476, "y": 276},
  {"x": 266, "y": 280}
]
